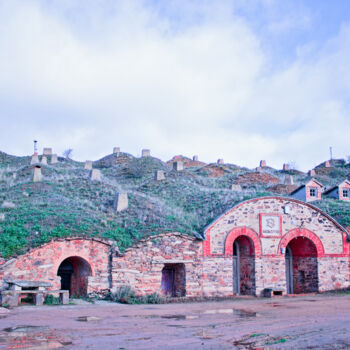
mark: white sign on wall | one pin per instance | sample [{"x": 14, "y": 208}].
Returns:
[{"x": 270, "y": 225}]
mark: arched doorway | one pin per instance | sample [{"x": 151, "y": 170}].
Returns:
[
  {"x": 243, "y": 266},
  {"x": 74, "y": 272},
  {"x": 301, "y": 266}
]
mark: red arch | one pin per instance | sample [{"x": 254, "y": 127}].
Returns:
[
  {"x": 242, "y": 231},
  {"x": 301, "y": 232}
]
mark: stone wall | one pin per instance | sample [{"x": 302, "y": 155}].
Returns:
[{"x": 141, "y": 266}]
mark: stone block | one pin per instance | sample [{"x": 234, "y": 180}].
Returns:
[
  {"x": 235, "y": 187},
  {"x": 8, "y": 205},
  {"x": 311, "y": 172},
  {"x": 35, "y": 159},
  {"x": 116, "y": 150},
  {"x": 43, "y": 160},
  {"x": 121, "y": 201},
  {"x": 54, "y": 159},
  {"x": 88, "y": 164},
  {"x": 285, "y": 167},
  {"x": 38, "y": 299},
  {"x": 47, "y": 151},
  {"x": 64, "y": 297},
  {"x": 146, "y": 153},
  {"x": 220, "y": 161},
  {"x": 159, "y": 175},
  {"x": 178, "y": 166},
  {"x": 95, "y": 175},
  {"x": 37, "y": 175},
  {"x": 288, "y": 180},
  {"x": 195, "y": 158},
  {"x": 263, "y": 163}
]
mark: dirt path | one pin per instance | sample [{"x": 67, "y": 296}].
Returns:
[{"x": 305, "y": 322}]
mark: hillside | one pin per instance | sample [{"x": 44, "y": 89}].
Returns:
[{"x": 68, "y": 203}]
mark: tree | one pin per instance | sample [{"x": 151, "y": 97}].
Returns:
[{"x": 68, "y": 153}]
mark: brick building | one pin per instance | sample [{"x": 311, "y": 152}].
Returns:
[
  {"x": 275, "y": 243},
  {"x": 341, "y": 191},
  {"x": 311, "y": 191}
]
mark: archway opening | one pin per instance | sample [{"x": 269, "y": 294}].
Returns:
[
  {"x": 301, "y": 266},
  {"x": 173, "y": 282},
  {"x": 74, "y": 272},
  {"x": 243, "y": 266}
]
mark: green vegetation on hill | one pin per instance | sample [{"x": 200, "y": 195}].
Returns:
[{"x": 67, "y": 203}]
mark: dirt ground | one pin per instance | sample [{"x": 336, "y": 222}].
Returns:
[{"x": 303, "y": 322}]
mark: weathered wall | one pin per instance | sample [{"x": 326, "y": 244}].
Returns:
[
  {"x": 42, "y": 263},
  {"x": 142, "y": 265}
]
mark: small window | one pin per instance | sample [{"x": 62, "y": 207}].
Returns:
[
  {"x": 313, "y": 192},
  {"x": 345, "y": 193}
]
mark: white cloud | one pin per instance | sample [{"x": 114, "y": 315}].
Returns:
[{"x": 122, "y": 74}]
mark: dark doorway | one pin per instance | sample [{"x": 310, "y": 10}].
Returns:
[
  {"x": 74, "y": 272},
  {"x": 174, "y": 280},
  {"x": 243, "y": 266},
  {"x": 301, "y": 266}
]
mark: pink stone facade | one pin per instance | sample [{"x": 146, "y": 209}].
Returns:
[{"x": 266, "y": 243}]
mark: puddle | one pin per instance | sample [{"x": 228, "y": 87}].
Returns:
[
  {"x": 88, "y": 318},
  {"x": 180, "y": 317},
  {"x": 136, "y": 339},
  {"x": 24, "y": 329},
  {"x": 274, "y": 304},
  {"x": 236, "y": 312},
  {"x": 176, "y": 325}
]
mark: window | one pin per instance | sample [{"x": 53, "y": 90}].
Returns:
[
  {"x": 313, "y": 192},
  {"x": 345, "y": 193}
]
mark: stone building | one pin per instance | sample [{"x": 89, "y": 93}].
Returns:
[
  {"x": 271, "y": 243},
  {"x": 311, "y": 191},
  {"x": 341, "y": 191}
]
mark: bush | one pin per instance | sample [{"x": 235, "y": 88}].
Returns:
[
  {"x": 127, "y": 295},
  {"x": 51, "y": 300}
]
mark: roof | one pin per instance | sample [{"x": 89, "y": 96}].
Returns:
[
  {"x": 302, "y": 186},
  {"x": 336, "y": 186}
]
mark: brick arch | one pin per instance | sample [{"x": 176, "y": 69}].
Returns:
[
  {"x": 301, "y": 232},
  {"x": 87, "y": 259},
  {"x": 242, "y": 231}
]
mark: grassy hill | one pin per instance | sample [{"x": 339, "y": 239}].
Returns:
[{"x": 68, "y": 203}]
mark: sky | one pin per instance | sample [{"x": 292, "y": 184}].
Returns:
[{"x": 242, "y": 80}]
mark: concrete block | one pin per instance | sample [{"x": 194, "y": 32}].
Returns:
[
  {"x": 237, "y": 188},
  {"x": 288, "y": 180},
  {"x": 54, "y": 159},
  {"x": 116, "y": 150},
  {"x": 121, "y": 201},
  {"x": 43, "y": 160},
  {"x": 285, "y": 167},
  {"x": 178, "y": 166},
  {"x": 47, "y": 151},
  {"x": 37, "y": 176},
  {"x": 146, "y": 153},
  {"x": 220, "y": 161},
  {"x": 159, "y": 175},
  {"x": 95, "y": 175},
  {"x": 263, "y": 163},
  {"x": 88, "y": 165},
  {"x": 35, "y": 159}
]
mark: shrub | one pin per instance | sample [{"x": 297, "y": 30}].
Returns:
[
  {"x": 51, "y": 300},
  {"x": 127, "y": 295}
]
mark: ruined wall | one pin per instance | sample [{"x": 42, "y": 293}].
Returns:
[
  {"x": 141, "y": 266},
  {"x": 42, "y": 263}
]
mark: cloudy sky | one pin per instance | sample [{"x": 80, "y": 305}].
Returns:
[{"x": 242, "y": 80}]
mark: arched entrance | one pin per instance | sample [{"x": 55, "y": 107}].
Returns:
[
  {"x": 243, "y": 266},
  {"x": 301, "y": 266},
  {"x": 74, "y": 272}
]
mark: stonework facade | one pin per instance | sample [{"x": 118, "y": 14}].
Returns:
[{"x": 269, "y": 243}]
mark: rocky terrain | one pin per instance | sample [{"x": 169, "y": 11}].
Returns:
[{"x": 67, "y": 203}]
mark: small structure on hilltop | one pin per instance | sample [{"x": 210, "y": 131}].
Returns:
[
  {"x": 116, "y": 150},
  {"x": 288, "y": 180},
  {"x": 121, "y": 201},
  {"x": 146, "y": 153},
  {"x": 95, "y": 175},
  {"x": 341, "y": 191},
  {"x": 37, "y": 175},
  {"x": 195, "y": 158},
  {"x": 236, "y": 187},
  {"x": 178, "y": 166},
  {"x": 159, "y": 175},
  {"x": 327, "y": 164},
  {"x": 54, "y": 159},
  {"x": 47, "y": 151},
  {"x": 311, "y": 191},
  {"x": 88, "y": 165},
  {"x": 44, "y": 160},
  {"x": 311, "y": 172},
  {"x": 285, "y": 167},
  {"x": 220, "y": 161},
  {"x": 35, "y": 159},
  {"x": 262, "y": 163}
]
